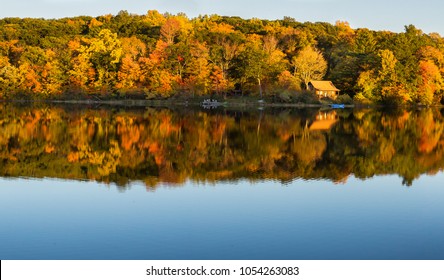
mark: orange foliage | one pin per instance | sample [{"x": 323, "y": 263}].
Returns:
[
  {"x": 133, "y": 47},
  {"x": 432, "y": 54},
  {"x": 430, "y": 133},
  {"x": 170, "y": 29},
  {"x": 129, "y": 73},
  {"x": 74, "y": 45},
  {"x": 31, "y": 78},
  {"x": 159, "y": 54},
  {"x": 218, "y": 81},
  {"x": 162, "y": 82},
  {"x": 431, "y": 81}
]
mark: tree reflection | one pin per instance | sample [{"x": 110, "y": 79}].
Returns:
[{"x": 164, "y": 146}]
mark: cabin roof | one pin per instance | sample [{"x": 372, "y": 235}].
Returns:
[{"x": 324, "y": 85}]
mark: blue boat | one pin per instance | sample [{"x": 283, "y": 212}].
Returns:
[{"x": 337, "y": 106}]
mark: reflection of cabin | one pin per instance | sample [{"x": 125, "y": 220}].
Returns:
[
  {"x": 324, "y": 121},
  {"x": 324, "y": 89}
]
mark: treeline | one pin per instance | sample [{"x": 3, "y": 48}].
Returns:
[
  {"x": 161, "y": 55},
  {"x": 164, "y": 146}
]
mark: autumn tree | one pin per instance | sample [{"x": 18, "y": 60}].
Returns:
[
  {"x": 156, "y": 76},
  {"x": 431, "y": 82},
  {"x": 292, "y": 40},
  {"x": 9, "y": 77},
  {"x": 198, "y": 69},
  {"x": 40, "y": 71},
  {"x": 218, "y": 82},
  {"x": 431, "y": 54},
  {"x": 225, "y": 44},
  {"x": 81, "y": 74},
  {"x": 383, "y": 84},
  {"x": 154, "y": 18},
  {"x": 392, "y": 90},
  {"x": 275, "y": 58},
  {"x": 130, "y": 73},
  {"x": 164, "y": 54},
  {"x": 99, "y": 57},
  {"x": 367, "y": 85},
  {"x": 105, "y": 53},
  {"x": 309, "y": 64},
  {"x": 252, "y": 63},
  {"x": 261, "y": 61},
  {"x": 169, "y": 30}
]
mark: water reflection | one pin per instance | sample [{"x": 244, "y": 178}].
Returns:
[{"x": 172, "y": 146}]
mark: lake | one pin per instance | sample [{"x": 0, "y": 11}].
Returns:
[{"x": 98, "y": 182}]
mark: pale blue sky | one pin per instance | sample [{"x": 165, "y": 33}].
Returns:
[{"x": 374, "y": 14}]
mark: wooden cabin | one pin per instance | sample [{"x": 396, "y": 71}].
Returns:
[{"x": 324, "y": 89}]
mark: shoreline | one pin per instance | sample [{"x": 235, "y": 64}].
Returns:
[
  {"x": 250, "y": 103},
  {"x": 182, "y": 103}
]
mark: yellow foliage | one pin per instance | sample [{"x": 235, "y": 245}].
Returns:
[
  {"x": 94, "y": 23},
  {"x": 154, "y": 18},
  {"x": 222, "y": 28},
  {"x": 309, "y": 64}
]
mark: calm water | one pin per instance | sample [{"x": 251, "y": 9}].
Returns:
[{"x": 98, "y": 183}]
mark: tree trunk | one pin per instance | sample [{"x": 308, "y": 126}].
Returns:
[{"x": 260, "y": 87}]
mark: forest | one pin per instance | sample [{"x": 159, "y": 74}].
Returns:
[
  {"x": 163, "y": 146},
  {"x": 163, "y": 55}
]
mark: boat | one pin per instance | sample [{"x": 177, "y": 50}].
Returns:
[
  {"x": 211, "y": 103},
  {"x": 337, "y": 106}
]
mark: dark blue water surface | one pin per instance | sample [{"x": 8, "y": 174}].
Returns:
[{"x": 373, "y": 219}]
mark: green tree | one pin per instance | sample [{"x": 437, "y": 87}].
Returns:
[{"x": 252, "y": 63}]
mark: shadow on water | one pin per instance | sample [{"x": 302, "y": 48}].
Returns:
[{"x": 161, "y": 145}]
